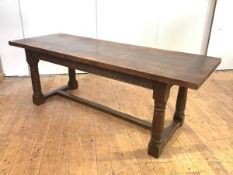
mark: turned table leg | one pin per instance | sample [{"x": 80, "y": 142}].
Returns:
[
  {"x": 37, "y": 97},
  {"x": 72, "y": 83},
  {"x": 180, "y": 104},
  {"x": 160, "y": 94}
]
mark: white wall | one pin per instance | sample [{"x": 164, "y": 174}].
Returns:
[
  {"x": 13, "y": 59},
  {"x": 42, "y": 17},
  {"x": 167, "y": 24},
  {"x": 182, "y": 24},
  {"x": 128, "y": 21},
  {"x": 222, "y": 34}
]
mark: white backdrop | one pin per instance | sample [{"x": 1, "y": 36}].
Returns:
[
  {"x": 41, "y": 17},
  {"x": 222, "y": 35},
  {"x": 167, "y": 24},
  {"x": 13, "y": 59}
]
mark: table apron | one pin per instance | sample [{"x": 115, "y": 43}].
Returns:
[{"x": 131, "y": 79}]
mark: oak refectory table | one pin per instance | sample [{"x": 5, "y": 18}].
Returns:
[{"x": 151, "y": 68}]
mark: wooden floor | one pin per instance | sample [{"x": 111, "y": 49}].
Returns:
[{"x": 64, "y": 137}]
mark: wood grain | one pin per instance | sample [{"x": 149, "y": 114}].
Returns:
[
  {"x": 63, "y": 137},
  {"x": 1, "y": 76},
  {"x": 147, "y": 67},
  {"x": 177, "y": 68}
]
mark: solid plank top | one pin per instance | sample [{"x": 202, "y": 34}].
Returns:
[{"x": 177, "y": 68}]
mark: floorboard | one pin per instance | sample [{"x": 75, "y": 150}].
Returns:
[{"x": 67, "y": 138}]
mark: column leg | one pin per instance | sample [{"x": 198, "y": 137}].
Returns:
[
  {"x": 160, "y": 94},
  {"x": 72, "y": 83},
  {"x": 180, "y": 105},
  {"x": 37, "y": 97}
]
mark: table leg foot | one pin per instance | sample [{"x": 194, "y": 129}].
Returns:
[
  {"x": 72, "y": 85},
  {"x": 38, "y": 100},
  {"x": 154, "y": 148}
]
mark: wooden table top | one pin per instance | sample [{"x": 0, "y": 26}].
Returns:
[{"x": 177, "y": 68}]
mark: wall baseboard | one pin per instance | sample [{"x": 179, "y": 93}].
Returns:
[{"x": 1, "y": 77}]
